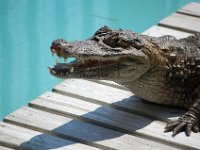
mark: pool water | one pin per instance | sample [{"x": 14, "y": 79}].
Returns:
[{"x": 27, "y": 28}]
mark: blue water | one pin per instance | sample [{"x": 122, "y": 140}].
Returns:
[{"x": 27, "y": 28}]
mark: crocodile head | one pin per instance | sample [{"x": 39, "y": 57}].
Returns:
[{"x": 118, "y": 55}]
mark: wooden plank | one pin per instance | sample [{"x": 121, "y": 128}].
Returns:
[
  {"x": 192, "y": 9},
  {"x": 182, "y": 22},
  {"x": 110, "y": 83},
  {"x": 113, "y": 118},
  {"x": 121, "y": 99},
  {"x": 86, "y": 132},
  {"x": 157, "y": 31},
  {"x": 21, "y": 138},
  {"x": 5, "y": 148}
]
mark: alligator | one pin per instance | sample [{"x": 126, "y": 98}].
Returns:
[{"x": 162, "y": 70}]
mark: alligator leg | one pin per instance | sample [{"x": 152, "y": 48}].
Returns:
[{"x": 190, "y": 121}]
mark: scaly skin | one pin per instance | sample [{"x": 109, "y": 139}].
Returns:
[{"x": 162, "y": 70}]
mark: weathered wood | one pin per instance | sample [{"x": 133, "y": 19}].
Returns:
[
  {"x": 122, "y": 99},
  {"x": 192, "y": 9},
  {"x": 21, "y": 138},
  {"x": 110, "y": 83},
  {"x": 182, "y": 22},
  {"x": 113, "y": 118},
  {"x": 79, "y": 130},
  {"x": 5, "y": 148},
  {"x": 157, "y": 31}
]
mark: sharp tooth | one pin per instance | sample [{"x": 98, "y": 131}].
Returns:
[
  {"x": 53, "y": 52},
  {"x": 49, "y": 68},
  {"x": 57, "y": 61},
  {"x": 71, "y": 69},
  {"x": 53, "y": 71}
]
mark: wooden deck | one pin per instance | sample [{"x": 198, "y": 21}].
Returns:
[{"x": 91, "y": 115}]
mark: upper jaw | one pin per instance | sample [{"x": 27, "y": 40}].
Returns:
[{"x": 92, "y": 50}]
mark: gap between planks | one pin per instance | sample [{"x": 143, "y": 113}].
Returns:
[
  {"x": 16, "y": 137},
  {"x": 181, "y": 22},
  {"x": 184, "y": 22},
  {"x": 116, "y": 98},
  {"x": 192, "y": 9},
  {"x": 113, "y": 119},
  {"x": 158, "y": 31},
  {"x": 85, "y": 132}
]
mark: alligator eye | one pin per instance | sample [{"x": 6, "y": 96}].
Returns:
[
  {"x": 103, "y": 30},
  {"x": 137, "y": 44}
]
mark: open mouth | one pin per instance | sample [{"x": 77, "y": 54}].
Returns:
[
  {"x": 96, "y": 61},
  {"x": 80, "y": 63}
]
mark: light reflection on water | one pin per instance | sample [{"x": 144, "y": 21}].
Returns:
[{"x": 28, "y": 27}]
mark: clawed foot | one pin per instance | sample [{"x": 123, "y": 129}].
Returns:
[{"x": 186, "y": 123}]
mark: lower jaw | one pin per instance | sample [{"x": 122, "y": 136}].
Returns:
[{"x": 107, "y": 71}]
